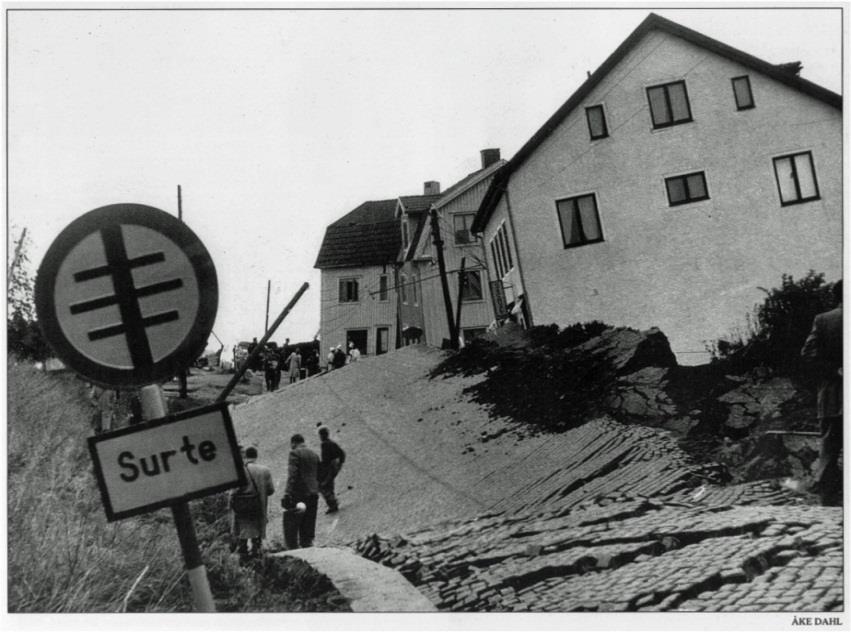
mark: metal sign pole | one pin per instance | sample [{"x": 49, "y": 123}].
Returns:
[{"x": 153, "y": 407}]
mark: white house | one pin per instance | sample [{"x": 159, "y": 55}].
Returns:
[
  {"x": 681, "y": 177},
  {"x": 357, "y": 260}
]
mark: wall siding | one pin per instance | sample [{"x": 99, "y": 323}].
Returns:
[{"x": 368, "y": 313}]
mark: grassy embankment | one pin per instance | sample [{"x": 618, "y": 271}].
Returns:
[{"x": 65, "y": 557}]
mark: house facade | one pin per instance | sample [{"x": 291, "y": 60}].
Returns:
[
  {"x": 456, "y": 210},
  {"x": 682, "y": 177},
  {"x": 357, "y": 262}
]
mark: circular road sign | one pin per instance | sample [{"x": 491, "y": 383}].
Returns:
[{"x": 126, "y": 295}]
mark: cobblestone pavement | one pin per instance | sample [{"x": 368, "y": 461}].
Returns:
[
  {"x": 634, "y": 555},
  {"x": 601, "y": 517}
]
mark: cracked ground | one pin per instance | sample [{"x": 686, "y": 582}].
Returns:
[{"x": 482, "y": 516}]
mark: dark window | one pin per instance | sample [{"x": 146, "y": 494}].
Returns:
[
  {"x": 414, "y": 282},
  {"x": 472, "y": 290},
  {"x": 596, "y": 122},
  {"x": 461, "y": 224},
  {"x": 580, "y": 222},
  {"x": 403, "y": 282},
  {"x": 669, "y": 104},
  {"x": 742, "y": 93},
  {"x": 499, "y": 271},
  {"x": 796, "y": 178},
  {"x": 348, "y": 290},
  {"x": 688, "y": 188},
  {"x": 382, "y": 287},
  {"x": 404, "y": 234}
]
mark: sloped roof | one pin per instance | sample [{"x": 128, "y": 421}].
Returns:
[
  {"x": 417, "y": 203},
  {"x": 367, "y": 235},
  {"x": 778, "y": 72},
  {"x": 466, "y": 182}
]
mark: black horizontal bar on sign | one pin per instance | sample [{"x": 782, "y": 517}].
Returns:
[
  {"x": 138, "y": 262},
  {"x": 150, "y": 321}
]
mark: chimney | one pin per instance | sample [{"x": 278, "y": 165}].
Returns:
[
  {"x": 790, "y": 68},
  {"x": 431, "y": 188},
  {"x": 489, "y": 156}
]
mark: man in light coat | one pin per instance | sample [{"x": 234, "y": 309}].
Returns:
[
  {"x": 823, "y": 353},
  {"x": 253, "y": 526}
]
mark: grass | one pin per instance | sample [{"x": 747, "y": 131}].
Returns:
[{"x": 63, "y": 555}]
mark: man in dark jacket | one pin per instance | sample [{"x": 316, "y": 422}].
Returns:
[
  {"x": 332, "y": 460},
  {"x": 302, "y": 487},
  {"x": 823, "y": 353}
]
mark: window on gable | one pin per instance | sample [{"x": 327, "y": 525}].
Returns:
[
  {"x": 597, "y": 127},
  {"x": 472, "y": 286},
  {"x": 796, "y": 178},
  {"x": 404, "y": 234},
  {"x": 403, "y": 282},
  {"x": 669, "y": 104},
  {"x": 461, "y": 224},
  {"x": 414, "y": 281},
  {"x": 742, "y": 92},
  {"x": 686, "y": 188},
  {"x": 382, "y": 287},
  {"x": 579, "y": 220},
  {"x": 348, "y": 290}
]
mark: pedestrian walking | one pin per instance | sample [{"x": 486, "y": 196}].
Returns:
[
  {"x": 354, "y": 354},
  {"x": 272, "y": 370},
  {"x": 330, "y": 464},
  {"x": 295, "y": 365},
  {"x": 302, "y": 487},
  {"x": 249, "y": 505},
  {"x": 822, "y": 352},
  {"x": 330, "y": 359}
]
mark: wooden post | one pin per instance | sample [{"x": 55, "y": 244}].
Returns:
[
  {"x": 441, "y": 266},
  {"x": 153, "y": 407},
  {"x": 182, "y": 375},
  {"x": 460, "y": 296}
]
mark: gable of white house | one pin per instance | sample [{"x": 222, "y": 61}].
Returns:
[{"x": 692, "y": 268}]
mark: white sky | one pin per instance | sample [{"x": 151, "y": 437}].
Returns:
[{"x": 278, "y": 122}]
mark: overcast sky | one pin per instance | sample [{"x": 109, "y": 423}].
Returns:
[{"x": 278, "y": 122}]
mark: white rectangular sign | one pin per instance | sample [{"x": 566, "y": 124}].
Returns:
[{"x": 158, "y": 463}]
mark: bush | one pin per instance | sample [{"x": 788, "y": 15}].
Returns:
[{"x": 778, "y": 328}]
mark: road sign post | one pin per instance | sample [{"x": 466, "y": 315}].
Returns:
[{"x": 126, "y": 296}]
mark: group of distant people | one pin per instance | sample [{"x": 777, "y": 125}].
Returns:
[
  {"x": 337, "y": 358},
  {"x": 288, "y": 359},
  {"x": 308, "y": 476}
]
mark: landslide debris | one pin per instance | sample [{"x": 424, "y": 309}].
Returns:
[{"x": 552, "y": 380}]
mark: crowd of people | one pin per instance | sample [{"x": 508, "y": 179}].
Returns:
[{"x": 309, "y": 475}]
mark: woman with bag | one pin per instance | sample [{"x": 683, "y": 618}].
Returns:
[{"x": 249, "y": 505}]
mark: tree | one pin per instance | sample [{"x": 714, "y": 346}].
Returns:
[{"x": 25, "y": 338}]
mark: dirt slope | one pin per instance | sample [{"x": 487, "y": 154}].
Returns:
[{"x": 420, "y": 452}]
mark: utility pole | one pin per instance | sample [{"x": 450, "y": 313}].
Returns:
[
  {"x": 183, "y": 374},
  {"x": 441, "y": 265},
  {"x": 460, "y": 297},
  {"x": 268, "y": 294}
]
